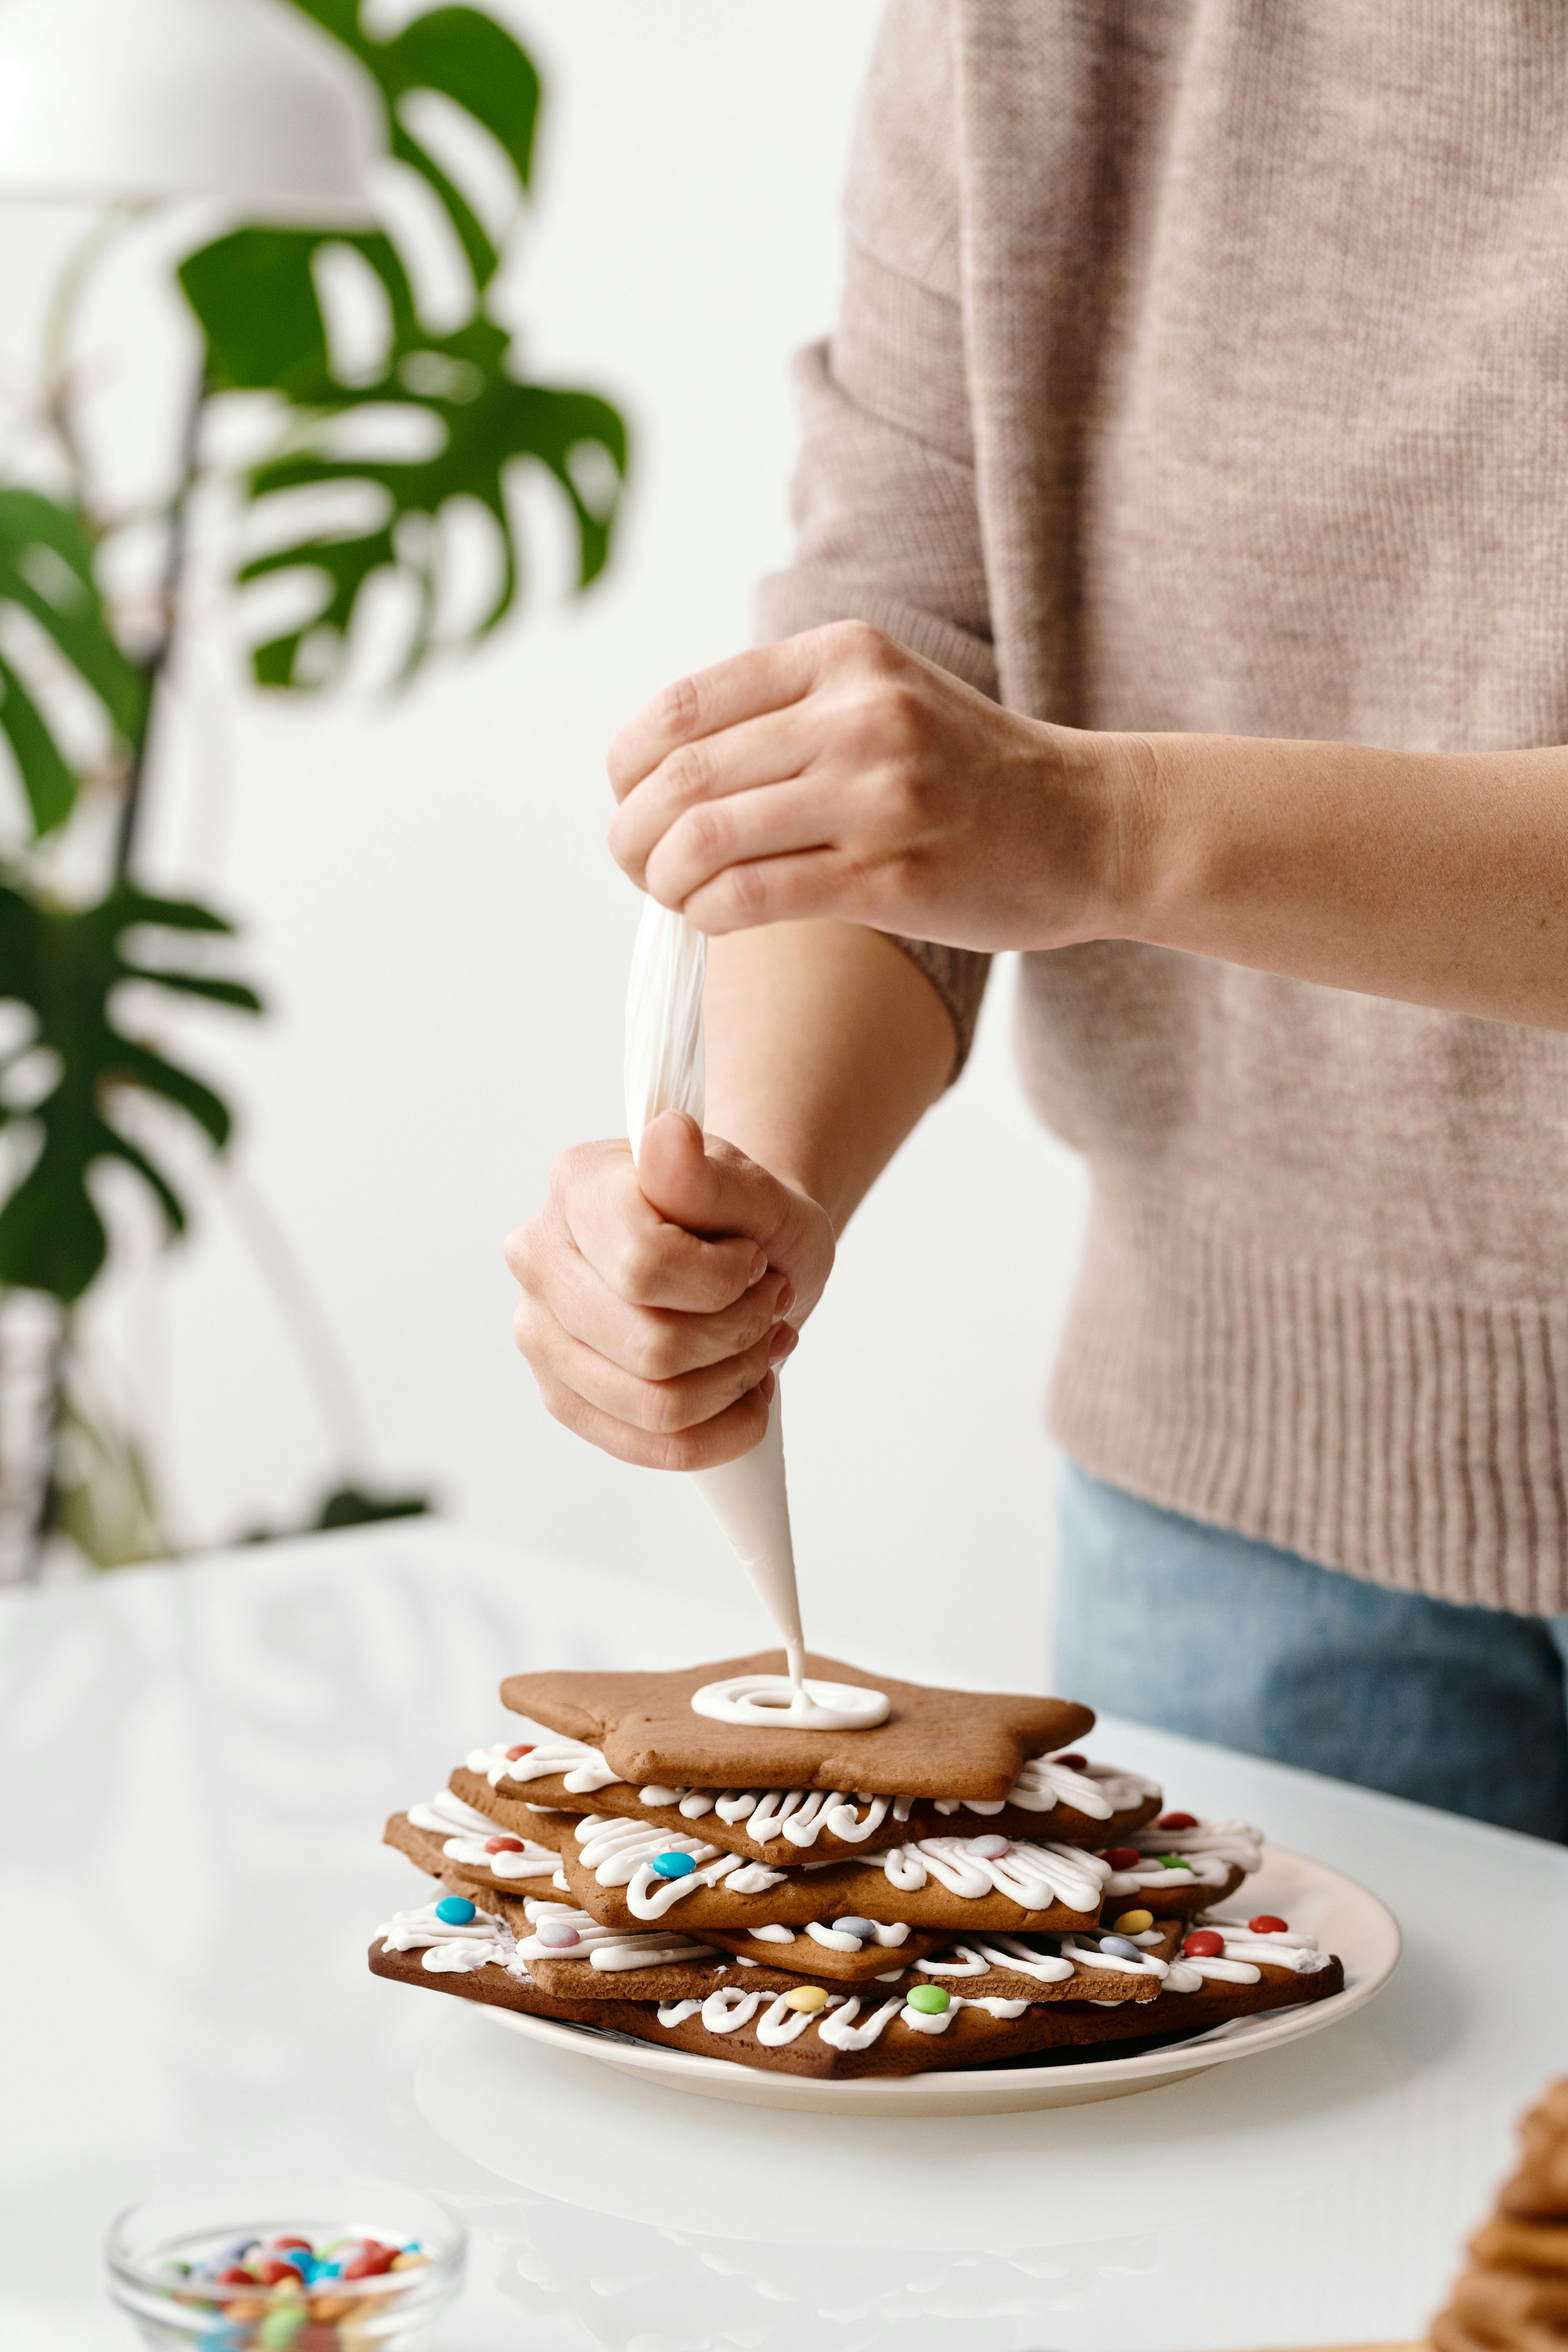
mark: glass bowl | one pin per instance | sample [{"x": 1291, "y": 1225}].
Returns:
[{"x": 167, "y": 2259}]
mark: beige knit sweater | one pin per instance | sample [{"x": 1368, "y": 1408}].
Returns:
[{"x": 1204, "y": 365}]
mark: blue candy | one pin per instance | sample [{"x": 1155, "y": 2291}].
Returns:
[
  {"x": 1120, "y": 1946},
  {"x": 455, "y": 1910},
  {"x": 864, "y": 1928},
  {"x": 674, "y": 1865}
]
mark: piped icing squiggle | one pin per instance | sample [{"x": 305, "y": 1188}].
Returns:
[
  {"x": 1096, "y": 1790},
  {"x": 454, "y": 1950},
  {"x": 1036, "y": 1877},
  {"x": 469, "y": 1836},
  {"x": 562, "y": 1933},
  {"x": 1245, "y": 1948},
  {"x": 584, "y": 1768},
  {"x": 622, "y": 1853}
]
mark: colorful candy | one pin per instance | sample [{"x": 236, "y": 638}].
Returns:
[
  {"x": 673, "y": 1865},
  {"x": 455, "y": 1910},
  {"x": 852, "y": 1925},
  {"x": 1119, "y": 1946},
  {"x": 1172, "y": 1862},
  {"x": 809, "y": 1998},
  {"x": 1122, "y": 1857},
  {"x": 525, "y": 1750},
  {"x": 1204, "y": 1944},
  {"x": 1177, "y": 1822},
  {"x": 1074, "y": 1763},
  {"x": 505, "y": 1845},
  {"x": 556, "y": 1936},
  {"x": 1133, "y": 1923},
  {"x": 930, "y": 1999},
  {"x": 990, "y": 1848},
  {"x": 1267, "y": 1924},
  {"x": 265, "y": 2297}
]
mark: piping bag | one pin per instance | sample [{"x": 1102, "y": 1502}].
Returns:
[{"x": 748, "y": 1497}]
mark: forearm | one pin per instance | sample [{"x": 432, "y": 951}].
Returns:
[
  {"x": 1441, "y": 878},
  {"x": 825, "y": 1046}
]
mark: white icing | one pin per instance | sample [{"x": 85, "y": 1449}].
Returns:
[
  {"x": 447, "y": 1813},
  {"x": 621, "y": 1853},
  {"x": 449, "y": 1949},
  {"x": 604, "y": 1948},
  {"x": 779, "y": 2024},
  {"x": 774, "y": 1934},
  {"x": 842, "y": 2033},
  {"x": 676, "y": 2012},
  {"x": 1004, "y": 1952},
  {"x": 1033, "y": 1876},
  {"x": 1279, "y": 1948},
  {"x": 775, "y": 1703},
  {"x": 584, "y": 1768},
  {"x": 1236, "y": 1844},
  {"x": 724, "y": 2011}
]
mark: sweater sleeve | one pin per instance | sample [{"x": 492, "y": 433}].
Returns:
[{"x": 886, "y": 524}]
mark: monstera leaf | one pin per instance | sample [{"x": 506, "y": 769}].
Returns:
[
  {"x": 63, "y": 966},
  {"x": 46, "y": 571},
  {"x": 255, "y": 295},
  {"x": 462, "y": 56}
]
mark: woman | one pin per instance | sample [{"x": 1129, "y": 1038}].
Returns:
[{"x": 1182, "y": 599}]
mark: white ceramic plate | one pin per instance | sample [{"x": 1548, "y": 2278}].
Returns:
[{"x": 1345, "y": 1919}]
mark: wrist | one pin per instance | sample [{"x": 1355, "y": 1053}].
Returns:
[{"x": 1106, "y": 793}]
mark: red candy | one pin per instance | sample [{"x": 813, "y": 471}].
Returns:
[
  {"x": 371, "y": 2263},
  {"x": 268, "y": 2272},
  {"x": 513, "y": 1753},
  {"x": 1122, "y": 1857},
  {"x": 1177, "y": 1822},
  {"x": 235, "y": 2275},
  {"x": 1266, "y": 1924},
  {"x": 1203, "y": 1944},
  {"x": 284, "y": 2245},
  {"x": 504, "y": 1846},
  {"x": 1073, "y": 1763}
]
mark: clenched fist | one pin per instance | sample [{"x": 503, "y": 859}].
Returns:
[{"x": 655, "y": 1300}]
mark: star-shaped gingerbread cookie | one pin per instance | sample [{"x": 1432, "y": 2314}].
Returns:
[{"x": 934, "y": 1743}]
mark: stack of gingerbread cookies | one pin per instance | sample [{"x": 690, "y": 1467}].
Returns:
[{"x": 958, "y": 1885}]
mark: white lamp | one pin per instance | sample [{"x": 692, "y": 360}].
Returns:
[{"x": 139, "y": 100}]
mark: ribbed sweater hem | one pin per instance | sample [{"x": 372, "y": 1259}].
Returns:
[{"x": 1411, "y": 1439}]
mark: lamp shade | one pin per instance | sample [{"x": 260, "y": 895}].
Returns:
[{"x": 136, "y": 100}]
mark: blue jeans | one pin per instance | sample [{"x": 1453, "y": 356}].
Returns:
[{"x": 1208, "y": 1632}]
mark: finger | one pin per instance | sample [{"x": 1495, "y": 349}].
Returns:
[
  {"x": 802, "y": 886},
  {"x": 768, "y": 677},
  {"x": 655, "y": 1343},
  {"x": 707, "y": 1191},
  {"x": 703, "y": 1447},
  {"x": 766, "y": 751},
  {"x": 660, "y": 1407},
  {"x": 646, "y": 1257},
  {"x": 775, "y": 821}
]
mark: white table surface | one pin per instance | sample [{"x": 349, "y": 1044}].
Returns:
[{"x": 195, "y": 1765}]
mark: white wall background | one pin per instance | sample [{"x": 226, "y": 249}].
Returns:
[{"x": 443, "y": 937}]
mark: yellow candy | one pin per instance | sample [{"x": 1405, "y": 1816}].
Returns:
[
  {"x": 811, "y": 1998},
  {"x": 1133, "y": 1923},
  {"x": 409, "y": 2262}
]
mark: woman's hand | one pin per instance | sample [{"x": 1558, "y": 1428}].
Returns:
[
  {"x": 834, "y": 774},
  {"x": 656, "y": 1299}
]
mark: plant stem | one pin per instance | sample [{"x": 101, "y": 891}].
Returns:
[
  {"x": 52, "y": 1420},
  {"x": 168, "y": 622},
  {"x": 59, "y": 321}
]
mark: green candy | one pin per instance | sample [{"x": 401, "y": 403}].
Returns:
[
  {"x": 280, "y": 2327},
  {"x": 930, "y": 1999},
  {"x": 1172, "y": 1862}
]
